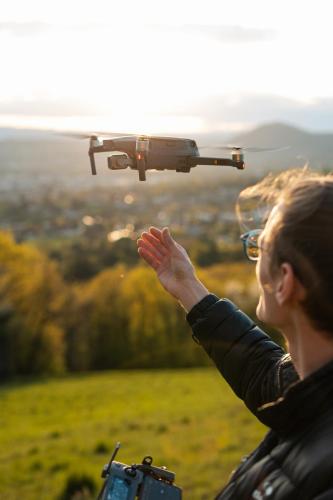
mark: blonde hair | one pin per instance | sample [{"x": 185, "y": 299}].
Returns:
[{"x": 302, "y": 233}]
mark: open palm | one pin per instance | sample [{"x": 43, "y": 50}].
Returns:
[{"x": 169, "y": 259}]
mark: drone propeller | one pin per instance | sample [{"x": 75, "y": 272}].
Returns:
[
  {"x": 103, "y": 134},
  {"x": 248, "y": 149},
  {"x": 89, "y": 135}
]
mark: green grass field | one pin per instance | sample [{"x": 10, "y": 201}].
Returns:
[{"x": 188, "y": 420}]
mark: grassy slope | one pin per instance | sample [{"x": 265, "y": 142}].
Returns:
[{"x": 188, "y": 420}]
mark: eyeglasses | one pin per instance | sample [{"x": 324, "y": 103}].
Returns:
[{"x": 250, "y": 244}]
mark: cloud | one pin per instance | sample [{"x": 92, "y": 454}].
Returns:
[
  {"x": 215, "y": 112},
  {"x": 24, "y": 29},
  {"x": 222, "y": 33},
  {"x": 219, "y": 33},
  {"x": 252, "y": 109},
  {"x": 231, "y": 34},
  {"x": 46, "y": 107}
]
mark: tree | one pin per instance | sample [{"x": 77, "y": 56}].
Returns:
[{"x": 32, "y": 290}]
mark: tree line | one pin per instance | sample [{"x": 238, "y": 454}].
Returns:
[{"x": 121, "y": 318}]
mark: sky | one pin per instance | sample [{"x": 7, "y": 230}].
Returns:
[{"x": 172, "y": 66}]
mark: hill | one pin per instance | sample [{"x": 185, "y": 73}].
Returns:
[
  {"x": 68, "y": 426},
  {"x": 53, "y": 159},
  {"x": 304, "y": 146}
]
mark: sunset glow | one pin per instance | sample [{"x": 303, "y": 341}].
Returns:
[{"x": 130, "y": 67}]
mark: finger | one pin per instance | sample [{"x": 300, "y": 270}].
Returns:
[
  {"x": 167, "y": 239},
  {"x": 151, "y": 249},
  {"x": 150, "y": 259},
  {"x": 156, "y": 232},
  {"x": 155, "y": 243}
]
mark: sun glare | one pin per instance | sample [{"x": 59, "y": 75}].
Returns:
[{"x": 112, "y": 68}]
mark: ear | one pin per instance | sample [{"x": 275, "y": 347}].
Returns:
[{"x": 287, "y": 286}]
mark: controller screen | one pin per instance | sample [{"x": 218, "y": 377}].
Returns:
[{"x": 119, "y": 489}]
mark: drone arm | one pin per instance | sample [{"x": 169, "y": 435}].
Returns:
[{"x": 202, "y": 160}]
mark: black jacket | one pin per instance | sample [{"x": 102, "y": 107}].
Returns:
[{"x": 295, "y": 460}]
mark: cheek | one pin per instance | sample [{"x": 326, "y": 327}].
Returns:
[
  {"x": 261, "y": 274},
  {"x": 266, "y": 305}
]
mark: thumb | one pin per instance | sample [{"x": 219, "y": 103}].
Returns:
[{"x": 168, "y": 241}]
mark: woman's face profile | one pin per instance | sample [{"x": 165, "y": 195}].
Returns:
[{"x": 268, "y": 310}]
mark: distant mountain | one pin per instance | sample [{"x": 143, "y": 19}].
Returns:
[
  {"x": 276, "y": 134},
  {"x": 23, "y": 134},
  {"x": 304, "y": 146},
  {"x": 33, "y": 157}
]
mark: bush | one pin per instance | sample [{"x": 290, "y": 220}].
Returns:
[
  {"x": 78, "y": 487},
  {"x": 101, "y": 448}
]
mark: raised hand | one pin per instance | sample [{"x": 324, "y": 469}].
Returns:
[{"x": 172, "y": 265}]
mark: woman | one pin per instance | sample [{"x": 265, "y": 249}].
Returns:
[{"x": 290, "y": 393}]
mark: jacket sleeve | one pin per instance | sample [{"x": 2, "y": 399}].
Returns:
[
  {"x": 326, "y": 495},
  {"x": 255, "y": 367}
]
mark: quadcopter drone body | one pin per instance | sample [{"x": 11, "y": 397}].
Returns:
[{"x": 143, "y": 152}]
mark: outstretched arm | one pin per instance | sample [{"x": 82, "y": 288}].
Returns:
[{"x": 254, "y": 366}]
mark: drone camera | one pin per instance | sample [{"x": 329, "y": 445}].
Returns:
[{"x": 118, "y": 162}]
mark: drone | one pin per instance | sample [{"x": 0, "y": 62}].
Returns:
[{"x": 147, "y": 152}]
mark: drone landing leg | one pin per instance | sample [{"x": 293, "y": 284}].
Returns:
[
  {"x": 92, "y": 163},
  {"x": 141, "y": 164}
]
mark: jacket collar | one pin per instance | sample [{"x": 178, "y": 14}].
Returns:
[{"x": 302, "y": 403}]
